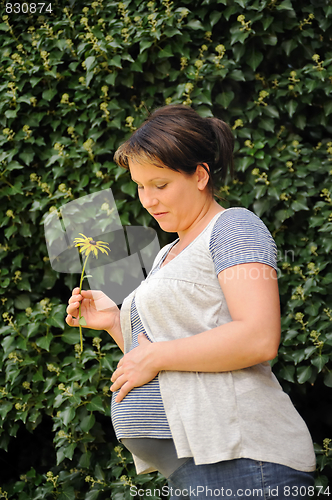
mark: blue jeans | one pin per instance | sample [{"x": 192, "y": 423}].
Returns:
[{"x": 239, "y": 479}]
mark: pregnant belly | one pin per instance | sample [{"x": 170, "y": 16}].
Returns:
[{"x": 141, "y": 413}]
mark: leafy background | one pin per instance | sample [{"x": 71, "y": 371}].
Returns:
[{"x": 74, "y": 83}]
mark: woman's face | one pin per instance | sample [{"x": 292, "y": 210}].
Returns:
[{"x": 173, "y": 198}]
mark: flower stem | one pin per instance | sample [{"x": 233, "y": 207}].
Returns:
[{"x": 79, "y": 309}]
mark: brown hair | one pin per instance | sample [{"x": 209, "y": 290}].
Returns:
[{"x": 177, "y": 137}]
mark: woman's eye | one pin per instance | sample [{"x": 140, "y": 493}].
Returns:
[{"x": 158, "y": 187}]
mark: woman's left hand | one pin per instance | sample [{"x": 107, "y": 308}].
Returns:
[{"x": 134, "y": 369}]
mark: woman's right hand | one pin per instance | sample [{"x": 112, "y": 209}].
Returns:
[{"x": 98, "y": 310}]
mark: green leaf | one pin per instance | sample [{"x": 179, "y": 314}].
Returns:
[
  {"x": 5, "y": 408},
  {"x": 328, "y": 108},
  {"x": 27, "y": 156},
  {"x": 32, "y": 328},
  {"x": 287, "y": 373},
  {"x": 285, "y": 5},
  {"x": 90, "y": 62},
  {"x": 145, "y": 44},
  {"x": 60, "y": 456},
  {"x": 195, "y": 24},
  {"x": 4, "y": 27},
  {"x": 49, "y": 94},
  {"x": 107, "y": 362},
  {"x": 69, "y": 450},
  {"x": 93, "y": 495},
  {"x": 289, "y": 46},
  {"x": 87, "y": 423},
  {"x": 225, "y": 98},
  {"x": 299, "y": 204},
  {"x": 303, "y": 374},
  {"x": 283, "y": 214},
  {"x": 242, "y": 3},
  {"x": 116, "y": 61},
  {"x": 170, "y": 32},
  {"x": 267, "y": 124},
  {"x": 300, "y": 121},
  {"x": 38, "y": 376},
  {"x": 237, "y": 75},
  {"x": 22, "y": 301},
  {"x": 82, "y": 321},
  {"x": 261, "y": 206},
  {"x": 204, "y": 111},
  {"x": 96, "y": 404},
  {"x": 67, "y": 493},
  {"x": 85, "y": 460},
  {"x": 44, "y": 342},
  {"x": 56, "y": 320},
  {"x": 320, "y": 361},
  {"x": 71, "y": 337},
  {"x": 328, "y": 379},
  {"x": 229, "y": 11},
  {"x": 245, "y": 162},
  {"x": 11, "y": 113},
  {"x": 254, "y": 59},
  {"x": 214, "y": 17},
  {"x": 165, "y": 52},
  {"x": 266, "y": 21},
  {"x": 129, "y": 188},
  {"x": 68, "y": 415},
  {"x": 271, "y": 111},
  {"x": 291, "y": 107}
]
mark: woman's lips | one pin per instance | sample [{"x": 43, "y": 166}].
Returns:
[{"x": 157, "y": 215}]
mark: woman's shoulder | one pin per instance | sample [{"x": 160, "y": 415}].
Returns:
[
  {"x": 238, "y": 213},
  {"x": 238, "y": 219},
  {"x": 240, "y": 236}
]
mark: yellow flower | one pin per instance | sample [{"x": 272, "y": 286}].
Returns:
[{"x": 89, "y": 245}]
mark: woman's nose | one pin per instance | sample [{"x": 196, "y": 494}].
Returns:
[{"x": 148, "y": 199}]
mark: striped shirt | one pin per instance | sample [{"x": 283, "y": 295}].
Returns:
[
  {"x": 141, "y": 413},
  {"x": 238, "y": 237}
]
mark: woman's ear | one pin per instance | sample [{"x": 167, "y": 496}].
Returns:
[{"x": 203, "y": 175}]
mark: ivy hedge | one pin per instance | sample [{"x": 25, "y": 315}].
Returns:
[{"x": 76, "y": 78}]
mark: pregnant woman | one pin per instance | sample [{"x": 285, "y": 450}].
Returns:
[{"x": 194, "y": 396}]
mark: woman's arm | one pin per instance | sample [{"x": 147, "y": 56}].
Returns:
[{"x": 252, "y": 337}]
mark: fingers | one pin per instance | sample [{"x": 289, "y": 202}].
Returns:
[
  {"x": 74, "y": 304},
  {"x": 71, "y": 321},
  {"x": 72, "y": 309},
  {"x": 77, "y": 295},
  {"x": 87, "y": 294},
  {"x": 125, "y": 389},
  {"x": 118, "y": 381},
  {"x": 116, "y": 374},
  {"x": 74, "y": 301}
]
